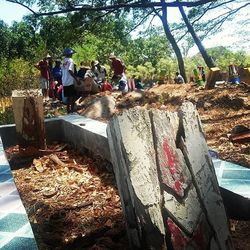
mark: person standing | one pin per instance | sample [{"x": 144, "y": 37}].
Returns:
[
  {"x": 57, "y": 72},
  {"x": 68, "y": 78},
  {"x": 178, "y": 78},
  {"x": 57, "y": 78},
  {"x": 100, "y": 72},
  {"x": 117, "y": 66},
  {"x": 43, "y": 67}
]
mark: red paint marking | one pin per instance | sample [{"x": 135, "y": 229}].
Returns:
[
  {"x": 170, "y": 161},
  {"x": 178, "y": 186},
  {"x": 178, "y": 240},
  {"x": 170, "y": 158}
]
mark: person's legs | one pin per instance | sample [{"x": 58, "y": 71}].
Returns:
[
  {"x": 69, "y": 91},
  {"x": 44, "y": 87}
]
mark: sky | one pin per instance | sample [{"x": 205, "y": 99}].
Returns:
[{"x": 10, "y": 12}]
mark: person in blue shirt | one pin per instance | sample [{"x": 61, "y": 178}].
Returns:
[{"x": 57, "y": 72}]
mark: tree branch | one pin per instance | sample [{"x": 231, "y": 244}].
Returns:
[
  {"x": 139, "y": 4},
  {"x": 23, "y": 5},
  {"x": 140, "y": 22}
]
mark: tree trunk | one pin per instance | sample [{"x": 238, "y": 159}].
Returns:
[
  {"x": 173, "y": 43},
  {"x": 166, "y": 180},
  {"x": 208, "y": 59}
]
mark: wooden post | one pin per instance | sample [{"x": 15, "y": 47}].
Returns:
[
  {"x": 245, "y": 75},
  {"x": 29, "y": 118},
  {"x": 166, "y": 180},
  {"x": 212, "y": 77}
]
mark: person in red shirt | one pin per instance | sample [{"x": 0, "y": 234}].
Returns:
[
  {"x": 106, "y": 86},
  {"x": 117, "y": 66},
  {"x": 44, "y": 75}
]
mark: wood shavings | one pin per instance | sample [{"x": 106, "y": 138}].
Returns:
[{"x": 68, "y": 196}]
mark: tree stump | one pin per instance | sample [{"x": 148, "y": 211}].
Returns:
[
  {"x": 29, "y": 118},
  {"x": 166, "y": 180},
  {"x": 212, "y": 77}
]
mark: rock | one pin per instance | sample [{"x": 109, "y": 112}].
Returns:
[
  {"x": 104, "y": 107},
  {"x": 207, "y": 105}
]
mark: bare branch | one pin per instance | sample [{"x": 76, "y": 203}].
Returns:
[
  {"x": 139, "y": 4},
  {"x": 139, "y": 23},
  {"x": 25, "y": 6}
]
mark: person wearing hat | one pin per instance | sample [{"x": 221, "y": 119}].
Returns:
[
  {"x": 68, "y": 79},
  {"x": 83, "y": 69},
  {"x": 90, "y": 79},
  {"x": 100, "y": 72},
  {"x": 43, "y": 67},
  {"x": 117, "y": 66}
]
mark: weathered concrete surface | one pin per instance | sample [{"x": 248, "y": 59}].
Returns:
[
  {"x": 29, "y": 118},
  {"x": 173, "y": 191},
  {"x": 132, "y": 151}
]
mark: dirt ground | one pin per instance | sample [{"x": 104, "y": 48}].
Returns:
[
  {"x": 59, "y": 217},
  {"x": 221, "y": 110}
]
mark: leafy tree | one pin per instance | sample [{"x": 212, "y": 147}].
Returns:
[
  {"x": 17, "y": 74},
  {"x": 150, "y": 46},
  {"x": 22, "y": 41},
  {"x": 5, "y": 39},
  {"x": 208, "y": 19},
  {"x": 198, "y": 9}
]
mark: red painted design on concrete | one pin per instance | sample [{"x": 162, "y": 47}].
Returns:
[
  {"x": 171, "y": 170},
  {"x": 179, "y": 241},
  {"x": 171, "y": 160},
  {"x": 178, "y": 187}
]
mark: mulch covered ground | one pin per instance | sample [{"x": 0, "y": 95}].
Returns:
[{"x": 71, "y": 200}]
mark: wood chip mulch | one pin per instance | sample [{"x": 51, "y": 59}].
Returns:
[{"x": 71, "y": 200}]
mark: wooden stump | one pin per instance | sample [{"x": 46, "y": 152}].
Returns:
[
  {"x": 29, "y": 118},
  {"x": 166, "y": 181},
  {"x": 212, "y": 77},
  {"x": 244, "y": 74}
]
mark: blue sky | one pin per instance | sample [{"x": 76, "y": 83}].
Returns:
[{"x": 10, "y": 12}]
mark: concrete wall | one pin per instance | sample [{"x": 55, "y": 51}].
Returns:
[{"x": 81, "y": 132}]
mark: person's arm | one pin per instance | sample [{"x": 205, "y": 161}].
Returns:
[
  {"x": 71, "y": 71},
  {"x": 74, "y": 76}
]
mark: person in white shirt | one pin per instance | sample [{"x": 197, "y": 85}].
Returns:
[
  {"x": 178, "y": 78},
  {"x": 100, "y": 72},
  {"x": 68, "y": 79}
]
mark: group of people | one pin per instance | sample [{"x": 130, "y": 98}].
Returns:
[{"x": 64, "y": 80}]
